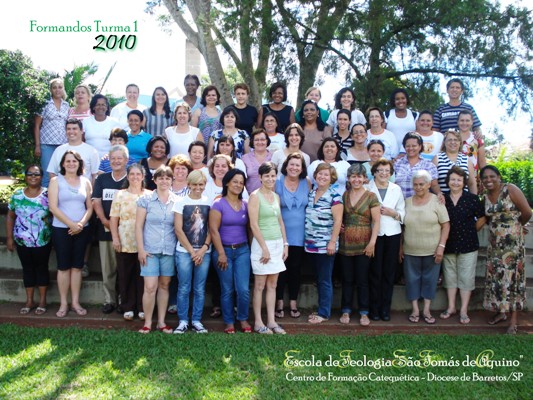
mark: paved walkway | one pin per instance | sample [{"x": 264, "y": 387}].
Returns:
[{"x": 95, "y": 319}]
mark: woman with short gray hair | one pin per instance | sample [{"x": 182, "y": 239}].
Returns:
[{"x": 424, "y": 239}]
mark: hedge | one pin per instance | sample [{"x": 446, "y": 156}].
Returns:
[{"x": 519, "y": 172}]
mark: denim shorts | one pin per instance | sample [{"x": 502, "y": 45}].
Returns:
[{"x": 158, "y": 265}]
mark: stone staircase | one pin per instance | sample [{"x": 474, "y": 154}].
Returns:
[{"x": 12, "y": 288}]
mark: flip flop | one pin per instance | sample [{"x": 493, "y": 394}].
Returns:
[
  {"x": 61, "y": 313},
  {"x": 217, "y": 312},
  {"x": 446, "y": 314},
  {"x": 316, "y": 319},
  {"x": 345, "y": 318},
  {"x": 165, "y": 329},
  {"x": 428, "y": 319},
  {"x": 229, "y": 331},
  {"x": 499, "y": 317},
  {"x": 512, "y": 330},
  {"x": 279, "y": 313},
  {"x": 295, "y": 313},
  {"x": 40, "y": 310},
  {"x": 364, "y": 321},
  {"x": 277, "y": 330},
  {"x": 263, "y": 330},
  {"x": 80, "y": 311},
  {"x": 144, "y": 330},
  {"x": 464, "y": 319},
  {"x": 414, "y": 318}
]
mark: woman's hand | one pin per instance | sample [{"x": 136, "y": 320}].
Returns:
[
  {"x": 116, "y": 245},
  {"x": 389, "y": 212},
  {"x": 75, "y": 228},
  {"x": 400, "y": 257},
  {"x": 439, "y": 254},
  {"x": 369, "y": 249},
  {"x": 37, "y": 151},
  {"x": 285, "y": 252},
  {"x": 143, "y": 255},
  {"x": 331, "y": 248},
  {"x": 10, "y": 243},
  {"x": 265, "y": 258},
  {"x": 222, "y": 262},
  {"x": 198, "y": 256}
]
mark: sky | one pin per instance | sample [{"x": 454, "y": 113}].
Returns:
[{"x": 158, "y": 56}]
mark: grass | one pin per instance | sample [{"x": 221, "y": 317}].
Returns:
[{"x": 88, "y": 364}]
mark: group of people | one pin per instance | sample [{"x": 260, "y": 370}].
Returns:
[{"x": 240, "y": 190}]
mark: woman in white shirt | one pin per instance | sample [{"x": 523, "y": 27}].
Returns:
[{"x": 386, "y": 256}]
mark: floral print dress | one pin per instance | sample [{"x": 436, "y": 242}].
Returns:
[{"x": 505, "y": 282}]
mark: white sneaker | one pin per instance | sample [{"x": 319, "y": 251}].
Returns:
[
  {"x": 198, "y": 327},
  {"x": 182, "y": 327},
  {"x": 128, "y": 316},
  {"x": 141, "y": 316},
  {"x": 85, "y": 271}
]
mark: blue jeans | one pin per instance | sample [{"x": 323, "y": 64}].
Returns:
[
  {"x": 46, "y": 155},
  {"x": 235, "y": 278},
  {"x": 323, "y": 265},
  {"x": 186, "y": 269}
]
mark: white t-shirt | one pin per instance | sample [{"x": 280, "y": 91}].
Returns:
[
  {"x": 357, "y": 118},
  {"x": 179, "y": 142},
  {"x": 213, "y": 192},
  {"x": 389, "y": 140},
  {"x": 120, "y": 113},
  {"x": 277, "y": 142},
  {"x": 400, "y": 126},
  {"x": 97, "y": 133},
  {"x": 432, "y": 145},
  {"x": 195, "y": 214},
  {"x": 88, "y": 154},
  {"x": 342, "y": 171},
  {"x": 279, "y": 157}
]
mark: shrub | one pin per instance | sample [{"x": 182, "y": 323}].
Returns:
[{"x": 519, "y": 172}]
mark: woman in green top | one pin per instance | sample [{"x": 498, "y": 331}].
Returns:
[
  {"x": 269, "y": 246},
  {"x": 360, "y": 219}
]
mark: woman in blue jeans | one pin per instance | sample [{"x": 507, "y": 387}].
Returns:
[
  {"x": 193, "y": 251},
  {"x": 323, "y": 219},
  {"x": 228, "y": 224}
]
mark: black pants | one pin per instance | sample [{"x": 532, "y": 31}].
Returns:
[
  {"x": 130, "y": 282},
  {"x": 382, "y": 273},
  {"x": 34, "y": 262},
  {"x": 355, "y": 270},
  {"x": 291, "y": 276}
]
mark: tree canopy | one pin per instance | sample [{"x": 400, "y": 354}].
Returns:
[{"x": 374, "y": 45}]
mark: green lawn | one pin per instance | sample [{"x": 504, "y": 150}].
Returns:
[{"x": 98, "y": 364}]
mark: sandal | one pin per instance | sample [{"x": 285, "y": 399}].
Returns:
[
  {"x": 316, "y": 319},
  {"x": 428, "y": 319},
  {"x": 80, "y": 311},
  {"x": 512, "y": 330},
  {"x": 279, "y": 313},
  {"x": 277, "y": 330},
  {"x": 464, "y": 319},
  {"x": 25, "y": 310},
  {"x": 40, "y": 310},
  {"x": 217, "y": 312},
  {"x": 345, "y": 318},
  {"x": 499, "y": 317},
  {"x": 414, "y": 318},
  {"x": 61, "y": 313},
  {"x": 145, "y": 330},
  {"x": 446, "y": 314},
  {"x": 263, "y": 330},
  {"x": 364, "y": 321},
  {"x": 295, "y": 313},
  {"x": 165, "y": 329},
  {"x": 230, "y": 330}
]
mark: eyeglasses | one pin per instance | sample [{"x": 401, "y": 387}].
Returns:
[
  {"x": 383, "y": 171},
  {"x": 33, "y": 174}
]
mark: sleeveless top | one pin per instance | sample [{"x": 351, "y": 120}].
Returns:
[
  {"x": 268, "y": 218},
  {"x": 208, "y": 124},
  {"x": 444, "y": 165},
  {"x": 71, "y": 200},
  {"x": 293, "y": 205},
  {"x": 284, "y": 115}
]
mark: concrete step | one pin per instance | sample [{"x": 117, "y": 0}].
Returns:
[{"x": 12, "y": 290}]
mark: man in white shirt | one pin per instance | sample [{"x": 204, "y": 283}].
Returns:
[
  {"x": 121, "y": 110},
  {"x": 89, "y": 155}
]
